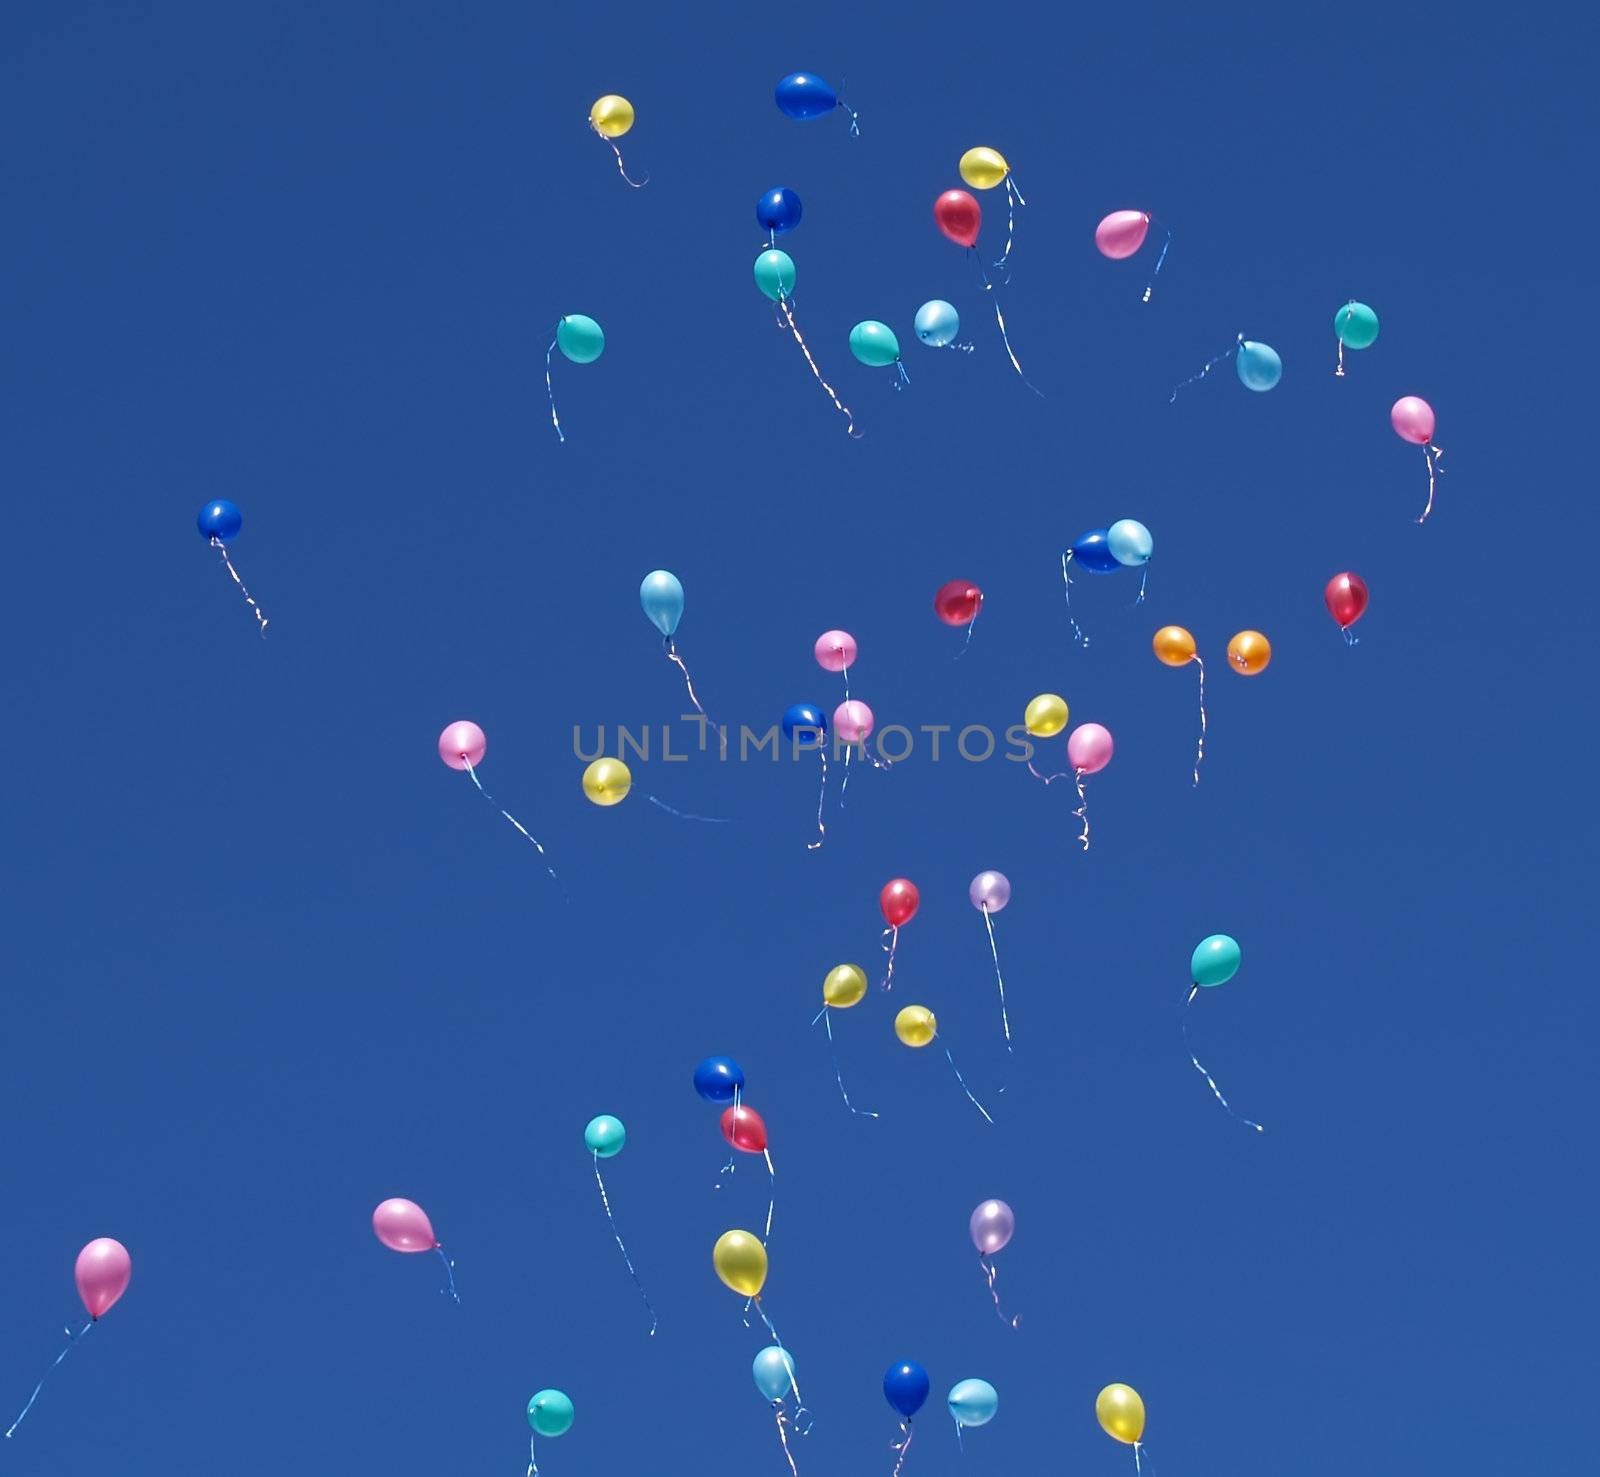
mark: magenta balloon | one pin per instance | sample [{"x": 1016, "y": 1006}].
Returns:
[
  {"x": 462, "y": 744},
  {"x": 835, "y": 650},
  {"x": 991, "y": 1226},
  {"x": 990, "y": 891},
  {"x": 1089, "y": 748},
  {"x": 403, "y": 1225},
  {"x": 852, "y": 720},
  {"x": 1121, "y": 233},
  {"x": 1412, "y": 419},
  {"x": 103, "y": 1271}
]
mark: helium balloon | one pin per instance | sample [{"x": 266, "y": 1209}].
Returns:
[
  {"x": 853, "y": 721},
  {"x": 958, "y": 215},
  {"x": 874, "y": 344},
  {"x": 1215, "y": 961},
  {"x": 991, "y": 1226},
  {"x": 958, "y": 602},
  {"x": 1093, "y": 551},
  {"x": 983, "y": 168},
  {"x": 611, "y": 116},
  {"x": 802, "y": 95},
  {"x": 1346, "y": 599},
  {"x": 899, "y": 900},
  {"x": 773, "y": 1371},
  {"x": 775, "y": 274},
  {"x": 989, "y": 892},
  {"x": 604, "y": 1136},
  {"x": 905, "y": 1387},
  {"x": 937, "y": 323},
  {"x": 607, "y": 781},
  {"x": 581, "y": 339},
  {"x": 803, "y": 723},
  {"x": 916, "y": 1025},
  {"x": 719, "y": 1079},
  {"x": 1089, "y": 748},
  {"x": 219, "y": 521},
  {"x": 403, "y": 1225},
  {"x": 844, "y": 985},
  {"x": 1356, "y": 327},
  {"x": 743, "y": 1128},
  {"x": 973, "y": 1402},
  {"x": 1174, "y": 646},
  {"x": 835, "y": 651},
  {"x": 1249, "y": 652},
  {"x": 462, "y": 745},
  {"x": 1259, "y": 366},
  {"x": 740, "y": 1261},
  {"x": 550, "y": 1413},
  {"x": 778, "y": 210},
  {"x": 1130, "y": 542},
  {"x": 662, "y": 598},
  {"x": 102, "y": 1272},
  {"x": 1121, "y": 233},
  {"x": 1120, "y": 1412},
  {"x": 1045, "y": 716},
  {"x": 1412, "y": 419}
]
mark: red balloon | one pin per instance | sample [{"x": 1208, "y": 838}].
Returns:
[
  {"x": 958, "y": 602},
  {"x": 899, "y": 900},
  {"x": 1346, "y": 598},
  {"x": 958, "y": 215},
  {"x": 743, "y": 1128}
]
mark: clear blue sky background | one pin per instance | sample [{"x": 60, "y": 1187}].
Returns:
[{"x": 268, "y": 961}]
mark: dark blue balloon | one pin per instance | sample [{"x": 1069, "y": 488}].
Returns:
[
  {"x": 806, "y": 720},
  {"x": 219, "y": 520},
  {"x": 717, "y": 1078},
  {"x": 805, "y": 95},
  {"x": 778, "y": 210},
  {"x": 905, "y": 1387},
  {"x": 1093, "y": 552}
]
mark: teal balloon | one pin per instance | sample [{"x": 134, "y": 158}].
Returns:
[
  {"x": 874, "y": 343},
  {"x": 580, "y": 339},
  {"x": 775, "y": 274},
  {"x": 605, "y": 1136},
  {"x": 1356, "y": 325},
  {"x": 1130, "y": 542},
  {"x": 937, "y": 323},
  {"x": 1259, "y": 366},
  {"x": 662, "y": 598},
  {"x": 550, "y": 1413},
  {"x": 1215, "y": 960},
  {"x": 774, "y": 1371},
  {"x": 973, "y": 1402}
]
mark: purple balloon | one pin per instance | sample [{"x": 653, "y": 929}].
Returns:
[
  {"x": 991, "y": 892},
  {"x": 992, "y": 1223}
]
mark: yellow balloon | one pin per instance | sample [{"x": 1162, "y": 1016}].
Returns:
[
  {"x": 741, "y": 1262},
  {"x": 1174, "y": 646},
  {"x": 916, "y": 1025},
  {"x": 611, "y": 116},
  {"x": 844, "y": 985},
  {"x": 1046, "y": 715},
  {"x": 1249, "y": 652},
  {"x": 983, "y": 169},
  {"x": 1121, "y": 1413},
  {"x": 607, "y": 781}
]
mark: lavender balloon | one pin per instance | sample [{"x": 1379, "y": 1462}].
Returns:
[
  {"x": 992, "y": 1225},
  {"x": 990, "y": 891}
]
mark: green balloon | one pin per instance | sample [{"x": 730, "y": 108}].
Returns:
[
  {"x": 580, "y": 339},
  {"x": 550, "y": 1413},
  {"x": 1215, "y": 960},
  {"x": 605, "y": 1136},
  {"x": 874, "y": 343},
  {"x": 1356, "y": 325},
  {"x": 775, "y": 274}
]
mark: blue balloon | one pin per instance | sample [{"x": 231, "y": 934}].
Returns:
[
  {"x": 805, "y": 95},
  {"x": 937, "y": 323},
  {"x": 905, "y": 1387},
  {"x": 662, "y": 598},
  {"x": 1093, "y": 552},
  {"x": 774, "y": 1371},
  {"x": 778, "y": 210},
  {"x": 718, "y": 1078},
  {"x": 973, "y": 1402},
  {"x": 1259, "y": 366},
  {"x": 806, "y": 720},
  {"x": 219, "y": 520},
  {"x": 1130, "y": 542}
]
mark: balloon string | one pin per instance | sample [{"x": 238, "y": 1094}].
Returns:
[
  {"x": 844, "y": 672},
  {"x": 637, "y": 184},
  {"x": 72, "y": 1341},
  {"x": 772, "y": 1193},
  {"x": 1005, "y": 1021},
  {"x": 533, "y": 1459},
  {"x": 1013, "y": 200},
  {"x": 963, "y": 1081},
  {"x": 1144, "y": 579},
  {"x": 671, "y": 649},
  {"x": 1150, "y": 286},
  {"x": 1064, "y": 774},
  {"x": 1210, "y": 365},
  {"x": 1210, "y": 1080},
  {"x": 449, "y": 1290},
  {"x": 1200, "y": 746},
  {"x": 783, "y": 1437},
  {"x": 684, "y": 815},
  {"x": 1000, "y": 318},
  {"x": 833, "y": 1052},
  {"x": 822, "y": 797},
  {"x": 1138, "y": 1466},
  {"x": 855, "y": 117},
  {"x": 507, "y": 814},
  {"x": 1350, "y": 637},
  {"x": 838, "y": 404},
  {"x": 550, "y": 390},
  {"x": 968, "y": 642},
  {"x": 845, "y": 783},
  {"x": 1432, "y": 455},
  {"x": 904, "y": 379},
  {"x": 893, "y": 932},
  {"x": 1338, "y": 372},
  {"x": 605, "y": 1201},
  {"x": 1082, "y": 812},
  {"x": 249, "y": 600},
  {"x": 992, "y": 1273},
  {"x": 1066, "y": 590},
  {"x": 901, "y": 1447}
]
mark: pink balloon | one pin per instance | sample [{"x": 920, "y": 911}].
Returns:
[
  {"x": 835, "y": 650},
  {"x": 1121, "y": 233},
  {"x": 852, "y": 721},
  {"x": 461, "y": 744},
  {"x": 1412, "y": 419},
  {"x": 1089, "y": 748},
  {"x": 403, "y": 1225},
  {"x": 990, "y": 891},
  {"x": 992, "y": 1225},
  {"x": 103, "y": 1271}
]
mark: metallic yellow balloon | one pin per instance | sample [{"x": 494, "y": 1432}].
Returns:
[
  {"x": 611, "y": 116},
  {"x": 916, "y": 1025},
  {"x": 741, "y": 1262},
  {"x": 1121, "y": 1413},
  {"x": 607, "y": 781},
  {"x": 1174, "y": 646},
  {"x": 983, "y": 169},
  {"x": 1249, "y": 652},
  {"x": 844, "y": 985},
  {"x": 1046, "y": 715}
]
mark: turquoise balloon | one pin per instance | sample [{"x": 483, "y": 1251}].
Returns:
[
  {"x": 937, "y": 323},
  {"x": 775, "y": 274},
  {"x": 1259, "y": 366},
  {"x": 580, "y": 339},
  {"x": 1215, "y": 961},
  {"x": 662, "y": 598},
  {"x": 974, "y": 1402},
  {"x": 774, "y": 1371},
  {"x": 605, "y": 1136},
  {"x": 874, "y": 343},
  {"x": 1130, "y": 542},
  {"x": 1356, "y": 325},
  {"x": 550, "y": 1413}
]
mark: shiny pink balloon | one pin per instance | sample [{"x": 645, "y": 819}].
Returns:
[
  {"x": 1412, "y": 419},
  {"x": 835, "y": 650},
  {"x": 852, "y": 720},
  {"x": 462, "y": 744},
  {"x": 1089, "y": 748},
  {"x": 1121, "y": 233},
  {"x": 990, "y": 891},
  {"x": 403, "y": 1225},
  {"x": 992, "y": 1226},
  {"x": 103, "y": 1271}
]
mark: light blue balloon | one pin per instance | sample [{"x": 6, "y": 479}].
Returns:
[
  {"x": 1130, "y": 542},
  {"x": 774, "y": 1371},
  {"x": 973, "y": 1402},
  {"x": 1215, "y": 961},
  {"x": 604, "y": 1136},
  {"x": 937, "y": 323},
  {"x": 662, "y": 598},
  {"x": 1259, "y": 366}
]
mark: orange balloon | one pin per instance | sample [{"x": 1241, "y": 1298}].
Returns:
[
  {"x": 1174, "y": 646},
  {"x": 1249, "y": 652}
]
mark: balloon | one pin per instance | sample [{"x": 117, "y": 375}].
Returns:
[
  {"x": 905, "y": 1387},
  {"x": 983, "y": 168},
  {"x": 899, "y": 900},
  {"x": 853, "y": 721},
  {"x": 462, "y": 744},
  {"x": 1249, "y": 652},
  {"x": 550, "y": 1413},
  {"x": 743, "y": 1128},
  {"x": 580, "y": 339},
  {"x": 992, "y": 1226},
  {"x": 1174, "y": 646},
  {"x": 1093, "y": 552},
  {"x": 718, "y": 1078},
  {"x": 102, "y": 1272},
  {"x": 403, "y": 1225},
  {"x": 605, "y": 1136},
  {"x": 607, "y": 781},
  {"x": 835, "y": 650},
  {"x": 1259, "y": 366},
  {"x": 844, "y": 985},
  {"x": 773, "y": 1367},
  {"x": 741, "y": 1262},
  {"x": 219, "y": 520},
  {"x": 611, "y": 116},
  {"x": 1412, "y": 419},
  {"x": 1120, "y": 1412},
  {"x": 959, "y": 216},
  {"x": 1356, "y": 325},
  {"x": 1089, "y": 748},
  {"x": 1046, "y": 715},
  {"x": 1121, "y": 233},
  {"x": 973, "y": 1402},
  {"x": 958, "y": 603},
  {"x": 778, "y": 210},
  {"x": 1346, "y": 599},
  {"x": 874, "y": 343},
  {"x": 802, "y": 95},
  {"x": 989, "y": 892},
  {"x": 916, "y": 1025},
  {"x": 775, "y": 274},
  {"x": 937, "y": 323},
  {"x": 806, "y": 720},
  {"x": 1130, "y": 542},
  {"x": 662, "y": 598},
  {"x": 1215, "y": 961}
]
